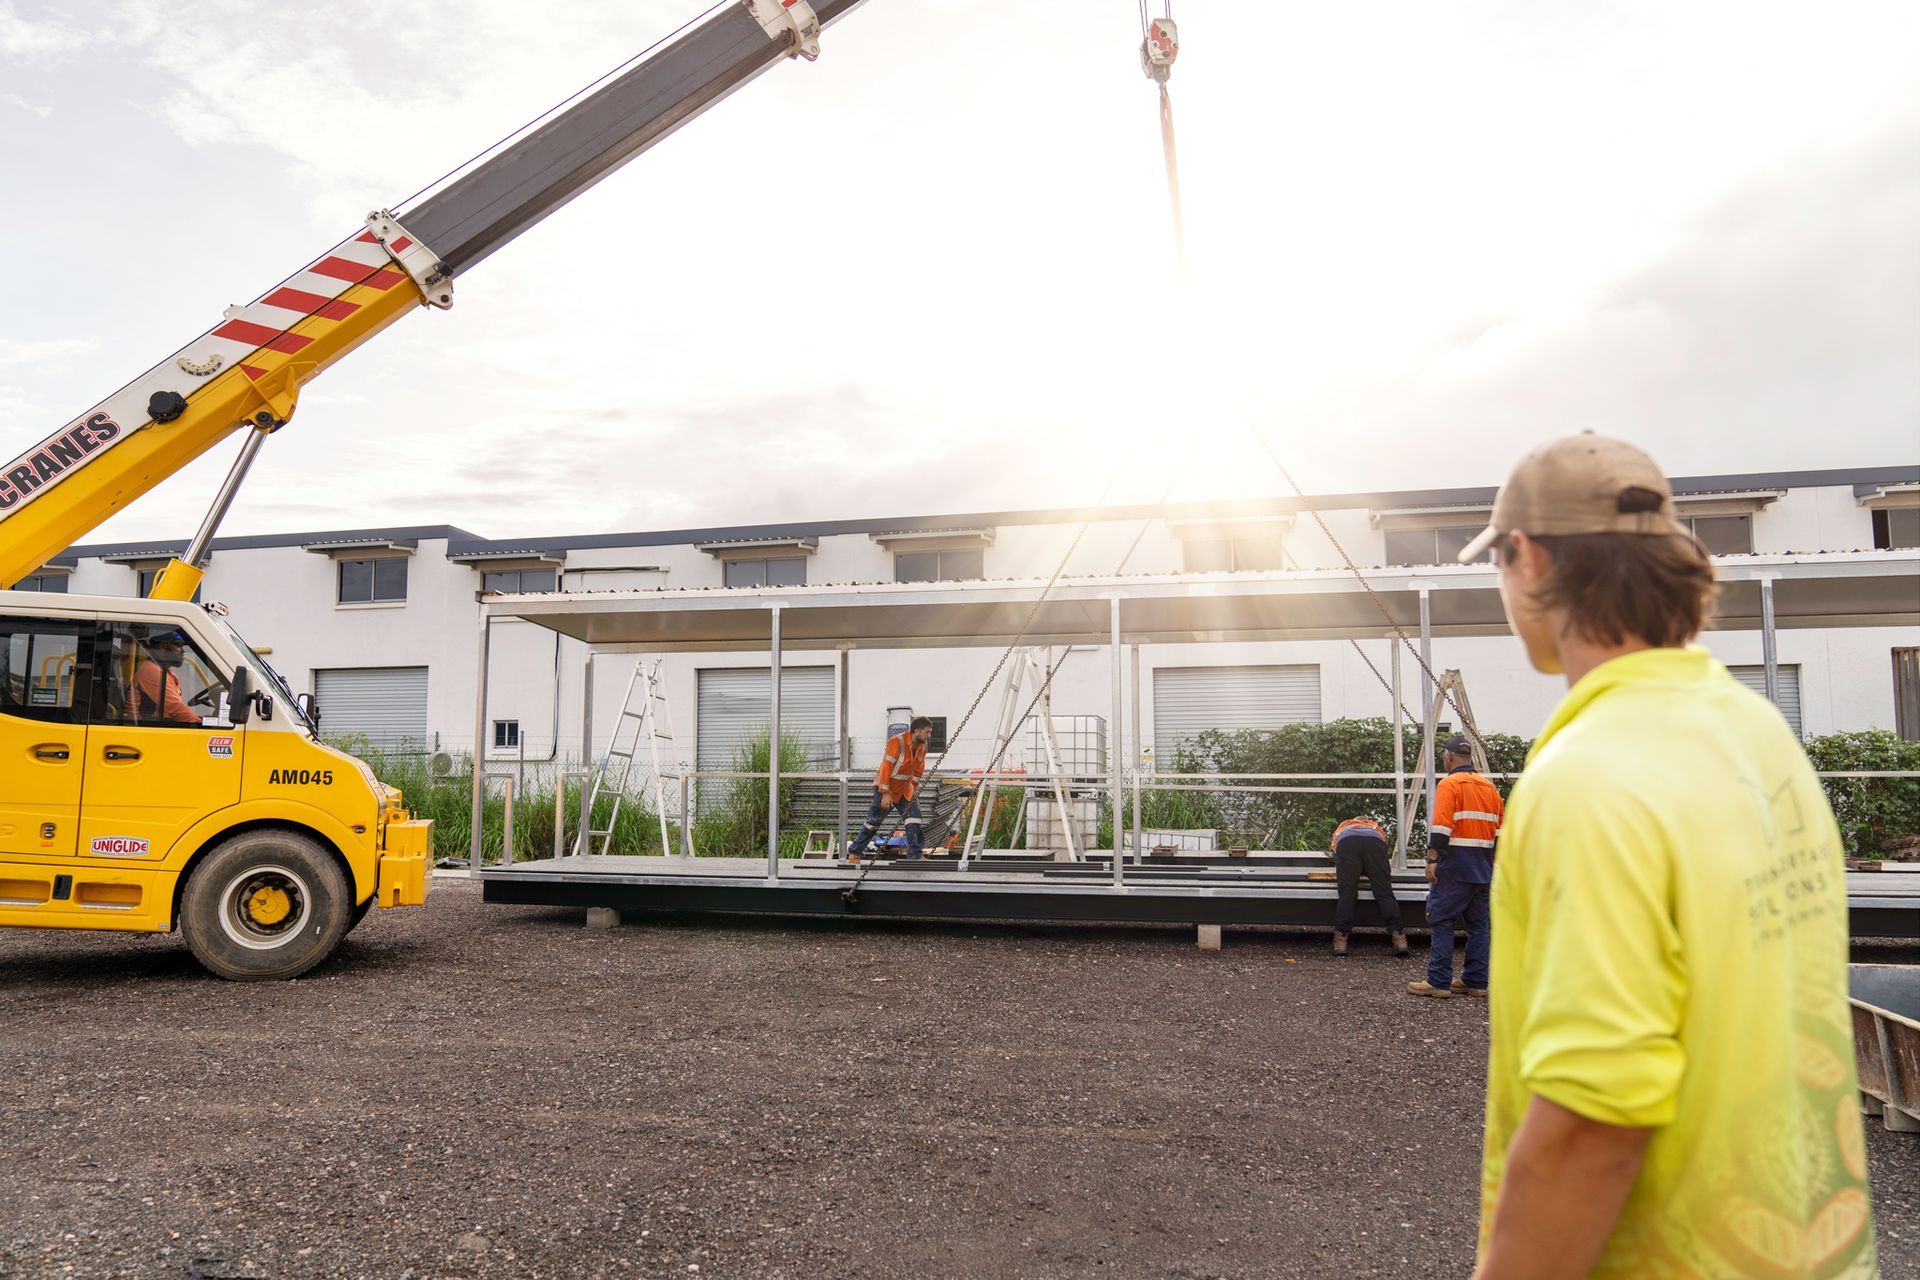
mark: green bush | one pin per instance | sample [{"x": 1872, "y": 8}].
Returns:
[
  {"x": 1877, "y": 815},
  {"x": 1289, "y": 820}
]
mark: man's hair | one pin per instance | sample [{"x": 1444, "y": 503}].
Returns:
[
  {"x": 919, "y": 723},
  {"x": 1615, "y": 586}
]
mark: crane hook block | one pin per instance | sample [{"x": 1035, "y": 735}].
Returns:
[{"x": 1159, "y": 49}]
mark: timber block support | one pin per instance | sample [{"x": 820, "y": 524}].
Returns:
[
  {"x": 1209, "y": 938},
  {"x": 602, "y": 918}
]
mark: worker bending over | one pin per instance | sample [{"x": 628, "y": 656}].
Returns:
[
  {"x": 897, "y": 785},
  {"x": 1360, "y": 849}
]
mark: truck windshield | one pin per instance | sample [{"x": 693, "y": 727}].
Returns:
[{"x": 274, "y": 682}]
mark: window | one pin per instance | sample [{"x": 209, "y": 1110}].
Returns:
[
  {"x": 787, "y": 571},
  {"x": 1255, "y": 551},
  {"x": 516, "y": 582},
  {"x": 506, "y": 735},
  {"x": 1896, "y": 528},
  {"x": 373, "y": 581},
  {"x": 939, "y": 566},
  {"x": 1722, "y": 535},
  {"x": 1787, "y": 678},
  {"x": 40, "y": 669},
  {"x": 145, "y": 588},
  {"x": 56, "y": 582},
  {"x": 153, "y": 675},
  {"x": 1431, "y": 546}
]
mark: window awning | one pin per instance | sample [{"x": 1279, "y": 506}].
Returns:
[
  {"x": 934, "y": 539},
  {"x": 1731, "y": 503},
  {"x": 1458, "y": 516},
  {"x": 342, "y": 548},
  {"x": 1211, "y": 527},
  {"x": 144, "y": 559},
  {"x": 522, "y": 559},
  {"x": 756, "y": 548}
]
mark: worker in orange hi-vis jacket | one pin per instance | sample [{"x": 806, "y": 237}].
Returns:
[
  {"x": 1461, "y": 833},
  {"x": 896, "y": 786}
]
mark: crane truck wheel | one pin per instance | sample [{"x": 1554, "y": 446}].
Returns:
[
  {"x": 265, "y": 904},
  {"x": 359, "y": 913}
]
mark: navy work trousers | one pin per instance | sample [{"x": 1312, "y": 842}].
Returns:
[
  {"x": 878, "y": 810},
  {"x": 1358, "y": 856},
  {"x": 1450, "y": 904}
]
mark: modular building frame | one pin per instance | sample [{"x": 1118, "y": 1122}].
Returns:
[{"x": 1114, "y": 615}]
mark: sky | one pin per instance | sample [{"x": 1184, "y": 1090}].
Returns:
[{"x": 935, "y": 271}]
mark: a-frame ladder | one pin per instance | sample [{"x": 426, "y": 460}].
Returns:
[{"x": 644, "y": 713}]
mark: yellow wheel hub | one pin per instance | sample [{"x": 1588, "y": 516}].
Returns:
[{"x": 268, "y": 905}]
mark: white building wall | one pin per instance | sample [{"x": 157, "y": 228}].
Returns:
[{"x": 283, "y": 599}]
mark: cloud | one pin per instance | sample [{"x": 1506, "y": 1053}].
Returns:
[
  {"x": 1783, "y": 316},
  {"x": 29, "y": 40},
  {"x": 42, "y": 351},
  {"x": 15, "y": 100}
]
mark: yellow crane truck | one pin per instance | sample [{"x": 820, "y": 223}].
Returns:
[{"x": 155, "y": 773}]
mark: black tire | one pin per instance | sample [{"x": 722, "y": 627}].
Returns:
[
  {"x": 265, "y": 905},
  {"x": 359, "y": 913}
]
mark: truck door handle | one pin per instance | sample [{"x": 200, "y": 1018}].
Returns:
[
  {"x": 120, "y": 753},
  {"x": 51, "y": 753}
]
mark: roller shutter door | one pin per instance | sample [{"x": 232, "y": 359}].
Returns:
[
  {"x": 733, "y": 710},
  {"x": 1188, "y": 701},
  {"x": 386, "y": 705},
  {"x": 1755, "y": 678}
]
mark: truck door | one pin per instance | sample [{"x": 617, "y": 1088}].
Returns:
[
  {"x": 161, "y": 753},
  {"x": 43, "y": 734}
]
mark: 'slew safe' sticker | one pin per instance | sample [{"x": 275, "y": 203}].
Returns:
[{"x": 220, "y": 748}]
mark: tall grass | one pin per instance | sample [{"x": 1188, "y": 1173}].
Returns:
[
  {"x": 448, "y": 800},
  {"x": 734, "y": 824}
]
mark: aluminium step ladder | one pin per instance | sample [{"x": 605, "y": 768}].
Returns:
[{"x": 644, "y": 713}]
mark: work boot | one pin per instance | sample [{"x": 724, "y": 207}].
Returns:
[
  {"x": 1464, "y": 989},
  {"x": 1421, "y": 988},
  {"x": 1339, "y": 944},
  {"x": 853, "y": 859},
  {"x": 1400, "y": 945}
]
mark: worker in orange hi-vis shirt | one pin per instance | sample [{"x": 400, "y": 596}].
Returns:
[
  {"x": 902, "y": 768},
  {"x": 1461, "y": 833},
  {"x": 156, "y": 688}
]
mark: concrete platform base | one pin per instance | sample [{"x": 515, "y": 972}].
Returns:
[
  {"x": 602, "y": 918},
  {"x": 1209, "y": 937}
]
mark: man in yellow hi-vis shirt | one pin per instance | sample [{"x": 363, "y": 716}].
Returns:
[{"x": 1670, "y": 1078}]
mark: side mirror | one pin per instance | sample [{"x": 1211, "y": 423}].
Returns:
[
  {"x": 240, "y": 696},
  {"x": 309, "y": 710}
]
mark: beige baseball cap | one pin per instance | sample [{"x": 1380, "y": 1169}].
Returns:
[{"x": 1581, "y": 484}]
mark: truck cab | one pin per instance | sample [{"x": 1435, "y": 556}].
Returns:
[{"x": 155, "y": 773}]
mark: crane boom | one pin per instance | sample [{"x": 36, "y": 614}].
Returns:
[{"x": 246, "y": 372}]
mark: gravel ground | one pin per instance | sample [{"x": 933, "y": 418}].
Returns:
[{"x": 497, "y": 1091}]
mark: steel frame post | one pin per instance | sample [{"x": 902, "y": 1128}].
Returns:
[
  {"x": 844, "y": 753},
  {"x": 773, "y": 747},
  {"x": 1769, "y": 653},
  {"x": 1116, "y": 737},
  {"x": 586, "y": 745},
  {"x": 1432, "y": 691},
  {"x": 1399, "y": 765},
  {"x": 1133, "y": 760},
  {"x": 476, "y": 855}
]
